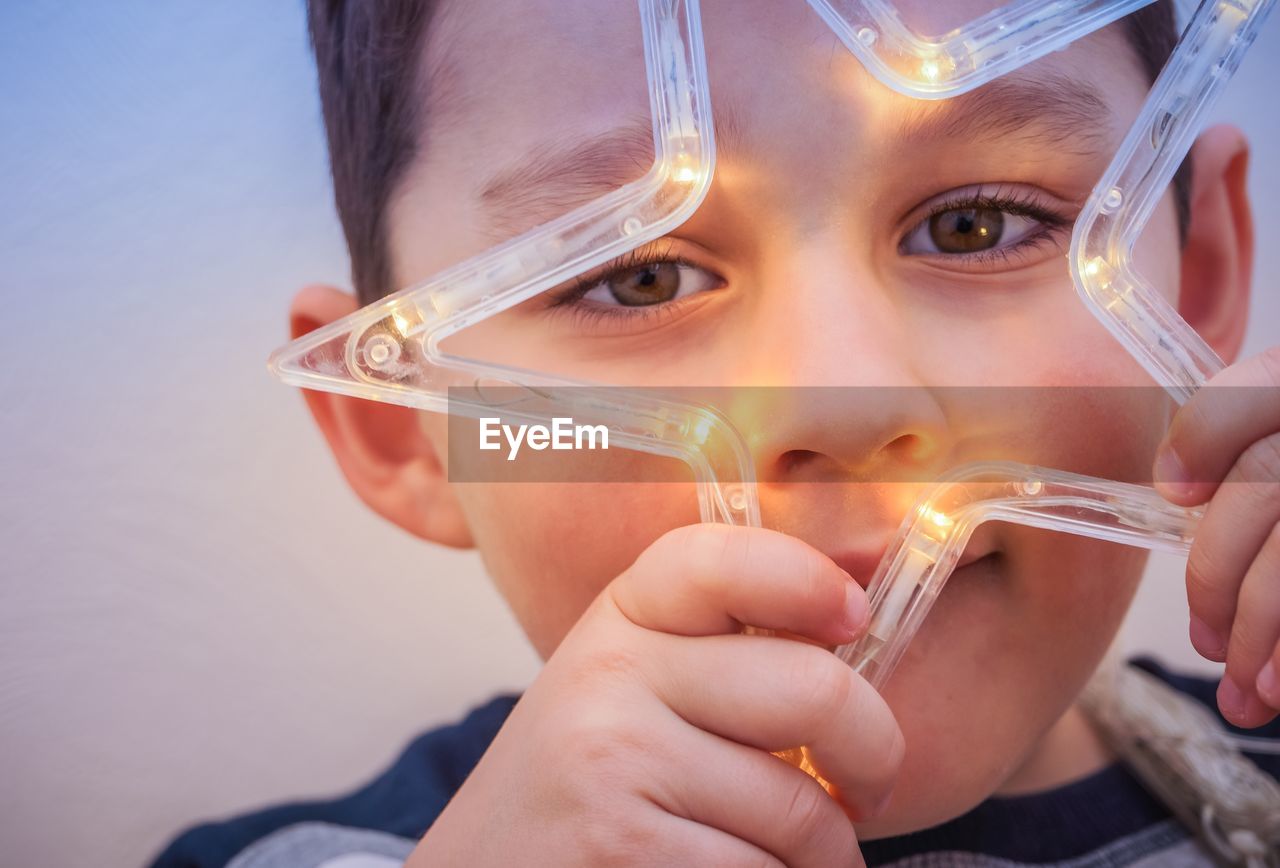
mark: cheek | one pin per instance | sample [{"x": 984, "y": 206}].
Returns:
[
  {"x": 552, "y": 547},
  {"x": 1064, "y": 395},
  {"x": 553, "y": 528},
  {"x": 1000, "y": 659},
  {"x": 1034, "y": 328},
  {"x": 1107, "y": 432}
]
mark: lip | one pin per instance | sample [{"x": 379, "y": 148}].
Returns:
[{"x": 862, "y": 563}]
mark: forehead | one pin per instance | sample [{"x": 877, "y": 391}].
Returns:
[
  {"x": 504, "y": 82},
  {"x": 589, "y": 53},
  {"x": 496, "y": 74}
]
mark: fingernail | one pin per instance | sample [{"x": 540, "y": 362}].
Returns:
[
  {"x": 1231, "y": 699},
  {"x": 855, "y": 608},
  {"x": 1206, "y": 640},
  {"x": 1171, "y": 473},
  {"x": 1269, "y": 685}
]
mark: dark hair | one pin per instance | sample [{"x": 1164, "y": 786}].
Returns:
[
  {"x": 368, "y": 59},
  {"x": 1153, "y": 32},
  {"x": 368, "y": 54}
]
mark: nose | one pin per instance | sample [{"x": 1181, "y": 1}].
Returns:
[{"x": 841, "y": 397}]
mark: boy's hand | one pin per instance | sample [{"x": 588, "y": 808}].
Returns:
[
  {"x": 646, "y": 738},
  {"x": 1223, "y": 448}
]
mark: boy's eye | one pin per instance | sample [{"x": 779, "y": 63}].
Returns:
[
  {"x": 960, "y": 231},
  {"x": 649, "y": 284}
]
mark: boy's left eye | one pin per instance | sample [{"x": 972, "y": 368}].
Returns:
[{"x": 961, "y": 231}]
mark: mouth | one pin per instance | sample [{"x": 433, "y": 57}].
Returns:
[{"x": 861, "y": 563}]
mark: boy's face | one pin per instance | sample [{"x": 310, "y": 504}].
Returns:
[{"x": 825, "y": 256}]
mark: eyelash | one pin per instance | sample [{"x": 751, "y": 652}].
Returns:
[
  {"x": 1003, "y": 201},
  {"x": 569, "y": 298}
]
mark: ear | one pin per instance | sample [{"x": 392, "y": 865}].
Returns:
[
  {"x": 1217, "y": 258},
  {"x": 382, "y": 449}
]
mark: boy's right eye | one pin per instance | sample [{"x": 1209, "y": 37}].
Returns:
[{"x": 649, "y": 284}]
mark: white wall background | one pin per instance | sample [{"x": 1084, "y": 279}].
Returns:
[{"x": 196, "y": 616}]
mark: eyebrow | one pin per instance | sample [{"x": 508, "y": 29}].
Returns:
[
  {"x": 556, "y": 177},
  {"x": 1048, "y": 111},
  {"x": 1057, "y": 110}
]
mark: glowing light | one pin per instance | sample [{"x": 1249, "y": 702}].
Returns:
[
  {"x": 930, "y": 70},
  {"x": 402, "y": 323},
  {"x": 686, "y": 174},
  {"x": 701, "y": 430},
  {"x": 939, "y": 519}
]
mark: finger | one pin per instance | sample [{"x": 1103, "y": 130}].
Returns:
[
  {"x": 658, "y": 837},
  {"x": 756, "y": 797},
  {"x": 1231, "y": 534},
  {"x": 706, "y": 579},
  {"x": 1253, "y": 638},
  {"x": 775, "y": 694},
  {"x": 685, "y": 842},
  {"x": 1268, "y": 681},
  {"x": 1211, "y": 431}
]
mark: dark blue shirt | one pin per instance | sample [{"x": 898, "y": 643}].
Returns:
[{"x": 1105, "y": 818}]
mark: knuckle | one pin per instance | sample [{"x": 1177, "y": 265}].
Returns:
[
  {"x": 1191, "y": 424},
  {"x": 604, "y": 722},
  {"x": 827, "y": 682},
  {"x": 581, "y": 774},
  {"x": 1253, "y": 632},
  {"x": 895, "y": 753},
  {"x": 1250, "y": 639},
  {"x": 1267, "y": 563},
  {"x": 702, "y": 552},
  {"x": 636, "y": 843},
  {"x": 605, "y": 667},
  {"x": 882, "y": 764},
  {"x": 843, "y": 840},
  {"x": 1204, "y": 577},
  {"x": 609, "y": 755},
  {"x": 609, "y": 839},
  {"x": 726, "y": 854},
  {"x": 809, "y": 813},
  {"x": 1260, "y": 462},
  {"x": 627, "y": 843},
  {"x": 823, "y": 594},
  {"x": 1269, "y": 362}
]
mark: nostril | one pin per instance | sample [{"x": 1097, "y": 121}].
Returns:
[
  {"x": 794, "y": 459},
  {"x": 913, "y": 447}
]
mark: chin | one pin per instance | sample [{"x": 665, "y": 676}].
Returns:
[{"x": 964, "y": 698}]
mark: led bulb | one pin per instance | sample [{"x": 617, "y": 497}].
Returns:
[
  {"x": 684, "y": 165},
  {"x": 402, "y": 323},
  {"x": 1099, "y": 272},
  {"x": 701, "y": 430},
  {"x": 938, "y": 519},
  {"x": 937, "y": 67}
]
